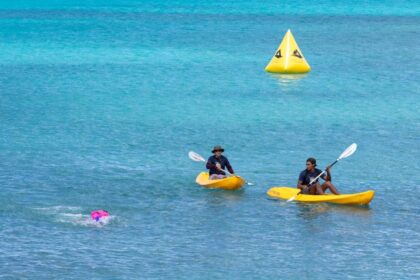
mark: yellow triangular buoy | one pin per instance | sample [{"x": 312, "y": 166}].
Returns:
[{"x": 288, "y": 58}]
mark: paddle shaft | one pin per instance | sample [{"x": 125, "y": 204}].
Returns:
[
  {"x": 197, "y": 157},
  {"x": 317, "y": 177},
  {"x": 347, "y": 152},
  {"x": 227, "y": 172},
  {"x": 312, "y": 181}
]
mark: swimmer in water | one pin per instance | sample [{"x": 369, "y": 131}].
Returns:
[{"x": 98, "y": 215}]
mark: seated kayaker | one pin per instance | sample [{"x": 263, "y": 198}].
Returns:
[
  {"x": 217, "y": 163},
  {"x": 310, "y": 173}
]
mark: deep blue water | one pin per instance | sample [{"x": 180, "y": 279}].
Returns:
[{"x": 100, "y": 102}]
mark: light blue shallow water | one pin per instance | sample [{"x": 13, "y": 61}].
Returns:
[{"x": 102, "y": 100}]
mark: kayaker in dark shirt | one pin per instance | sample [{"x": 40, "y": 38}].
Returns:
[
  {"x": 310, "y": 173},
  {"x": 217, "y": 163}
]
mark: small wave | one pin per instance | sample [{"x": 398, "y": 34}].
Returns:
[{"x": 58, "y": 209}]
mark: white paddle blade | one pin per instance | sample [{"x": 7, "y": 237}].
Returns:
[
  {"x": 349, "y": 151},
  {"x": 195, "y": 157},
  {"x": 292, "y": 198}
]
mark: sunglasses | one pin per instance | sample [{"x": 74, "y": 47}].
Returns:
[{"x": 218, "y": 151}]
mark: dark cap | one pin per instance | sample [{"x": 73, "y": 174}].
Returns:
[{"x": 218, "y": 148}]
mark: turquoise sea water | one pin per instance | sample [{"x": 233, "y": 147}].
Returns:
[{"x": 100, "y": 102}]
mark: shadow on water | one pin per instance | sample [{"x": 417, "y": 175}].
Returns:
[
  {"x": 219, "y": 196},
  {"x": 313, "y": 211},
  {"x": 286, "y": 80}
]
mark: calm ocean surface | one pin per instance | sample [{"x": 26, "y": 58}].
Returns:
[{"x": 100, "y": 102}]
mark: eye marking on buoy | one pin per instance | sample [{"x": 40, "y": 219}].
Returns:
[
  {"x": 278, "y": 54},
  {"x": 297, "y": 54}
]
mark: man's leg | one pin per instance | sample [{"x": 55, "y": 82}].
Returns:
[
  {"x": 330, "y": 186},
  {"x": 214, "y": 177},
  {"x": 316, "y": 189},
  {"x": 217, "y": 176}
]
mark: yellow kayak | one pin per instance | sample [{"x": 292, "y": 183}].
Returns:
[
  {"x": 229, "y": 183},
  {"x": 355, "y": 198}
]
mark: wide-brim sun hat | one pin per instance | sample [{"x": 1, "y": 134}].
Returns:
[{"x": 218, "y": 148}]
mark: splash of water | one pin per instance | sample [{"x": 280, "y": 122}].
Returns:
[{"x": 74, "y": 216}]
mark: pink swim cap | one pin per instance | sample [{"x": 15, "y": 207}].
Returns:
[{"x": 97, "y": 214}]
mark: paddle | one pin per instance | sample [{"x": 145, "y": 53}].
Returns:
[
  {"x": 196, "y": 157},
  {"x": 347, "y": 152}
]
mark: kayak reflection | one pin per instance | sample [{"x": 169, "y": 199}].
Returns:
[{"x": 313, "y": 211}]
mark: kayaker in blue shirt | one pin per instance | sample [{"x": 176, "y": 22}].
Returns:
[
  {"x": 310, "y": 173},
  {"x": 217, "y": 163}
]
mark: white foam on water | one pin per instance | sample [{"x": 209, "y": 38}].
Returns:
[
  {"x": 83, "y": 220},
  {"x": 58, "y": 209},
  {"x": 73, "y": 215}
]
